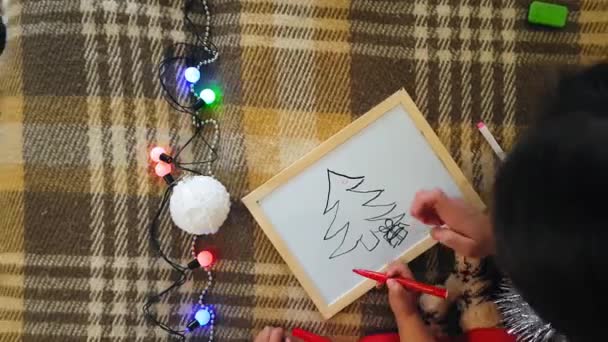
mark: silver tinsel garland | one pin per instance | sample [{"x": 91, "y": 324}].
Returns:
[{"x": 520, "y": 319}]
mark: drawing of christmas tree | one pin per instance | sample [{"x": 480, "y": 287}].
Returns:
[{"x": 356, "y": 216}]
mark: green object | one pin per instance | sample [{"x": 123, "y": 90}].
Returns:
[
  {"x": 207, "y": 95},
  {"x": 543, "y": 13}
]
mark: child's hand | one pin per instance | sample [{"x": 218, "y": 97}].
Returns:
[
  {"x": 468, "y": 231},
  {"x": 402, "y": 301},
  {"x": 270, "y": 334},
  {"x": 274, "y": 334}
]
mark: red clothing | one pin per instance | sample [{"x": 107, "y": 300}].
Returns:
[{"x": 475, "y": 335}]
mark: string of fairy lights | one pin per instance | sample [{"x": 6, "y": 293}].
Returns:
[{"x": 188, "y": 63}]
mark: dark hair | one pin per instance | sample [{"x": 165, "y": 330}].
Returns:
[
  {"x": 2, "y": 35},
  {"x": 551, "y": 208}
]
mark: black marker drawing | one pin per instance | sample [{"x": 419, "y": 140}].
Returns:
[
  {"x": 361, "y": 224},
  {"x": 393, "y": 232}
]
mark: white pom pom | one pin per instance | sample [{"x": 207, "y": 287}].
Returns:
[{"x": 199, "y": 205}]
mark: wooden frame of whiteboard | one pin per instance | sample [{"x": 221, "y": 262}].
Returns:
[{"x": 252, "y": 199}]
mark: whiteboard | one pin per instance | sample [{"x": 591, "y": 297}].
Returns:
[{"x": 346, "y": 205}]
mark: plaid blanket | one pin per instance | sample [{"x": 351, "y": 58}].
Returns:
[{"x": 80, "y": 106}]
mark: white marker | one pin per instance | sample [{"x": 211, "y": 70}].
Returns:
[{"x": 490, "y": 139}]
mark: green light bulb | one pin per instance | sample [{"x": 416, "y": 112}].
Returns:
[{"x": 208, "y": 96}]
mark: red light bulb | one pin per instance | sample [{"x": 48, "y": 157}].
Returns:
[
  {"x": 205, "y": 258},
  {"x": 156, "y": 152},
  {"x": 162, "y": 169}
]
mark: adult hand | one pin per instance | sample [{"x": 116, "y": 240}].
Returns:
[{"x": 458, "y": 225}]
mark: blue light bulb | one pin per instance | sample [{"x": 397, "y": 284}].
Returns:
[
  {"x": 203, "y": 316},
  {"x": 192, "y": 74},
  {"x": 208, "y": 96}
]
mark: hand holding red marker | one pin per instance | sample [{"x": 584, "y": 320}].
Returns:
[{"x": 409, "y": 284}]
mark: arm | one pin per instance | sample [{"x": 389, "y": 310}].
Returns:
[
  {"x": 274, "y": 334},
  {"x": 271, "y": 334},
  {"x": 403, "y": 303},
  {"x": 413, "y": 329}
]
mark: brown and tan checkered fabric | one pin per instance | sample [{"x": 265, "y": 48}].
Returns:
[{"x": 80, "y": 106}]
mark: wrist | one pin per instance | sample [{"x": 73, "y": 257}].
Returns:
[
  {"x": 414, "y": 329},
  {"x": 410, "y": 323},
  {"x": 406, "y": 316}
]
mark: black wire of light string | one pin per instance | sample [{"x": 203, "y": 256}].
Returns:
[
  {"x": 204, "y": 41},
  {"x": 196, "y": 52},
  {"x": 154, "y": 240},
  {"x": 203, "y": 47},
  {"x": 189, "y": 109},
  {"x": 200, "y": 126}
]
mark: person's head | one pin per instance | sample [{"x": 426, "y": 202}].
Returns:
[{"x": 551, "y": 208}]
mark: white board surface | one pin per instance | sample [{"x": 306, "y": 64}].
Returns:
[{"x": 323, "y": 211}]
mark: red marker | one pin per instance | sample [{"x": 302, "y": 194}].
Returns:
[
  {"x": 307, "y": 336},
  {"x": 407, "y": 283}
]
